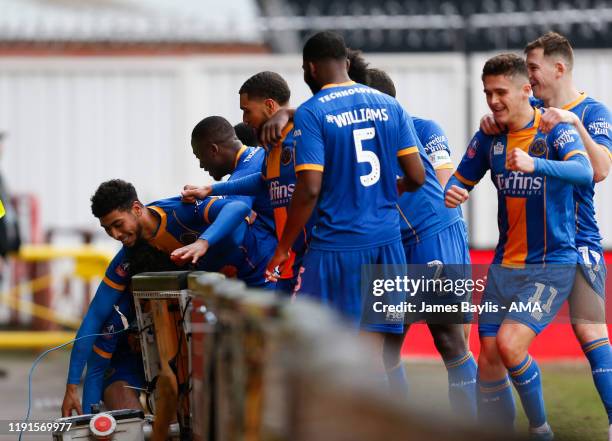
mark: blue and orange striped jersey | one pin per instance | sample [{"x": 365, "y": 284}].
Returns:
[
  {"x": 535, "y": 213},
  {"x": 250, "y": 160},
  {"x": 423, "y": 213},
  {"x": 354, "y": 134},
  {"x": 182, "y": 224},
  {"x": 597, "y": 120},
  {"x": 434, "y": 141},
  {"x": 278, "y": 171}
]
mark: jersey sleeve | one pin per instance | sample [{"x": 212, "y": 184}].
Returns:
[
  {"x": 566, "y": 141},
  {"x": 475, "y": 162},
  {"x": 435, "y": 143},
  {"x": 117, "y": 276},
  {"x": 408, "y": 140},
  {"x": 309, "y": 145},
  {"x": 598, "y": 122}
]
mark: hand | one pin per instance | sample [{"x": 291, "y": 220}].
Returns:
[
  {"x": 489, "y": 126},
  {"x": 191, "y": 192},
  {"x": 271, "y": 131},
  {"x": 191, "y": 252},
  {"x": 275, "y": 266},
  {"x": 71, "y": 401},
  {"x": 518, "y": 160},
  {"x": 553, "y": 116},
  {"x": 455, "y": 196}
]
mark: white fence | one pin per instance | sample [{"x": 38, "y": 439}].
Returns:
[{"x": 74, "y": 122}]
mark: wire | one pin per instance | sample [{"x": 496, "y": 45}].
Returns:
[{"x": 43, "y": 355}]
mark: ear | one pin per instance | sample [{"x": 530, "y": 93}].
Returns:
[
  {"x": 270, "y": 105},
  {"x": 137, "y": 208},
  {"x": 312, "y": 68},
  {"x": 560, "y": 68},
  {"x": 214, "y": 148},
  {"x": 527, "y": 88}
]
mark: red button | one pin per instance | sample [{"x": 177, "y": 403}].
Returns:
[{"x": 103, "y": 423}]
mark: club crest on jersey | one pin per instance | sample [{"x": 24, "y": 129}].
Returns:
[
  {"x": 472, "y": 148},
  {"x": 122, "y": 270},
  {"x": 498, "y": 148},
  {"x": 286, "y": 156},
  {"x": 538, "y": 147}
]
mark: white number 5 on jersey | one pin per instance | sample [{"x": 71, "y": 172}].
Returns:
[{"x": 359, "y": 136}]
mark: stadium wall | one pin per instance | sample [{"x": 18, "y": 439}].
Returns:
[{"x": 76, "y": 121}]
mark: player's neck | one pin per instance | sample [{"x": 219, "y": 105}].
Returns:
[
  {"x": 150, "y": 224},
  {"x": 523, "y": 118},
  {"x": 563, "y": 96}
]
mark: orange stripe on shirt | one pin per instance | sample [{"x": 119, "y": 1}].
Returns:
[
  {"x": 407, "y": 151},
  {"x": 102, "y": 353},
  {"x": 573, "y": 153},
  {"x": 515, "y": 250},
  {"x": 112, "y": 284},
  {"x": 163, "y": 240},
  {"x": 239, "y": 154},
  {"x": 315, "y": 167},
  {"x": 207, "y": 209},
  {"x": 447, "y": 166},
  {"x": 463, "y": 180}
]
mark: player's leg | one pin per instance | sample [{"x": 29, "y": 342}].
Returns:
[
  {"x": 119, "y": 395},
  {"x": 392, "y": 359},
  {"x": 587, "y": 311}
]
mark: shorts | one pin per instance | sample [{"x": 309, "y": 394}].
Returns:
[
  {"x": 335, "y": 279},
  {"x": 592, "y": 265},
  {"x": 444, "y": 256},
  {"x": 532, "y": 295}
]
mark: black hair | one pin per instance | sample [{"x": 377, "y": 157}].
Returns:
[
  {"x": 213, "y": 129},
  {"x": 358, "y": 67},
  {"x": 381, "y": 81},
  {"x": 264, "y": 85},
  {"x": 144, "y": 257},
  {"x": 325, "y": 45},
  {"x": 115, "y": 194},
  {"x": 246, "y": 134}
]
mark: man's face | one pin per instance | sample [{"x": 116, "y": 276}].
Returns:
[
  {"x": 309, "y": 76},
  {"x": 124, "y": 225},
  {"x": 210, "y": 159},
  {"x": 256, "y": 111},
  {"x": 505, "y": 96},
  {"x": 543, "y": 74}
]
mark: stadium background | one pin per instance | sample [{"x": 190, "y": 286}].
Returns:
[{"x": 92, "y": 90}]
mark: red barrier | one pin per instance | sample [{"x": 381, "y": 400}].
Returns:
[{"x": 557, "y": 341}]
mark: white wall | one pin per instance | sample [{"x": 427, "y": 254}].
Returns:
[{"x": 74, "y": 122}]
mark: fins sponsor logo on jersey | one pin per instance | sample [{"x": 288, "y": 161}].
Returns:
[
  {"x": 564, "y": 137},
  {"x": 472, "y": 148},
  {"x": 518, "y": 184},
  {"x": 357, "y": 116},
  {"x": 286, "y": 156},
  {"x": 280, "y": 194},
  {"x": 347, "y": 92},
  {"x": 538, "y": 147},
  {"x": 599, "y": 127}
]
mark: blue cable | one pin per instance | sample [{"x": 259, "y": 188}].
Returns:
[{"x": 41, "y": 356}]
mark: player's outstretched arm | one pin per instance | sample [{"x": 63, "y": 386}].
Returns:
[
  {"x": 272, "y": 130},
  {"x": 192, "y": 192},
  {"x": 93, "y": 385},
  {"x": 251, "y": 185},
  {"x": 414, "y": 172},
  {"x": 455, "y": 193},
  {"x": 600, "y": 156},
  {"x": 303, "y": 202},
  {"x": 224, "y": 221},
  {"x": 576, "y": 169},
  {"x": 99, "y": 310}
]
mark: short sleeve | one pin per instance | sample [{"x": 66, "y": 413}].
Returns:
[
  {"x": 309, "y": 145},
  {"x": 408, "y": 141},
  {"x": 565, "y": 140},
  {"x": 598, "y": 122}
]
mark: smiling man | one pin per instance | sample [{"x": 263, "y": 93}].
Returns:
[{"x": 535, "y": 259}]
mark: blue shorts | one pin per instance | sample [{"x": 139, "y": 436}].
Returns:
[
  {"x": 531, "y": 296},
  {"x": 335, "y": 279},
  {"x": 593, "y": 269},
  {"x": 444, "y": 255}
]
